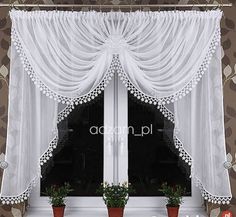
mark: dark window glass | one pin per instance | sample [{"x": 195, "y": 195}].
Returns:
[
  {"x": 153, "y": 158},
  {"x": 78, "y": 158}
]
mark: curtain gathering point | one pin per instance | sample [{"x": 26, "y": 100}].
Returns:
[{"x": 3, "y": 164}]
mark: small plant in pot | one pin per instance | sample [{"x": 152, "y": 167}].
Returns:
[
  {"x": 174, "y": 195},
  {"x": 57, "y": 195},
  {"x": 115, "y": 197}
]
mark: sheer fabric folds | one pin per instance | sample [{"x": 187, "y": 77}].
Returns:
[{"x": 62, "y": 59}]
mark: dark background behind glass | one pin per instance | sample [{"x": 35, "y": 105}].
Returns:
[
  {"x": 153, "y": 158},
  {"x": 78, "y": 158}
]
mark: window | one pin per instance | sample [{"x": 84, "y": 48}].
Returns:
[
  {"x": 78, "y": 158},
  {"x": 151, "y": 141},
  {"x": 116, "y": 138}
]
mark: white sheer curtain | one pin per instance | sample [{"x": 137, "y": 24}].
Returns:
[
  {"x": 199, "y": 133},
  {"x": 168, "y": 59}
]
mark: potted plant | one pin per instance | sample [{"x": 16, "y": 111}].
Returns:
[
  {"x": 115, "y": 197},
  {"x": 57, "y": 195},
  {"x": 174, "y": 196}
]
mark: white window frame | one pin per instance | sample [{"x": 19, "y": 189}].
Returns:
[{"x": 116, "y": 165}]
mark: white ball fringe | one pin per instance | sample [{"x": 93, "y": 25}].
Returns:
[
  {"x": 160, "y": 102},
  {"x": 116, "y": 67}
]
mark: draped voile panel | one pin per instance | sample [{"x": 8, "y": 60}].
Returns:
[{"x": 62, "y": 59}]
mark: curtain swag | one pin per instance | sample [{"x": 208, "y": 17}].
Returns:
[{"x": 62, "y": 59}]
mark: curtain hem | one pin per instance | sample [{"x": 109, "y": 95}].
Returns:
[
  {"x": 186, "y": 157},
  {"x": 52, "y": 94},
  {"x": 116, "y": 67},
  {"x": 160, "y": 102},
  {"x": 20, "y": 198}
]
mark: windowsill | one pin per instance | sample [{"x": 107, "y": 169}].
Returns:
[{"x": 102, "y": 212}]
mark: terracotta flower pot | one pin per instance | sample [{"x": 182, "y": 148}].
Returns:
[
  {"x": 58, "y": 211},
  {"x": 115, "y": 212},
  {"x": 172, "y": 211}
]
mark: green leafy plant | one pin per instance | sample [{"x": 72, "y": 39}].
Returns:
[
  {"x": 57, "y": 194},
  {"x": 115, "y": 196},
  {"x": 174, "y": 194}
]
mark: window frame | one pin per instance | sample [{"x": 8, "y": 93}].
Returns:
[{"x": 116, "y": 159}]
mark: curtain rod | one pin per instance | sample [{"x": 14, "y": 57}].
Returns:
[{"x": 116, "y": 6}]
